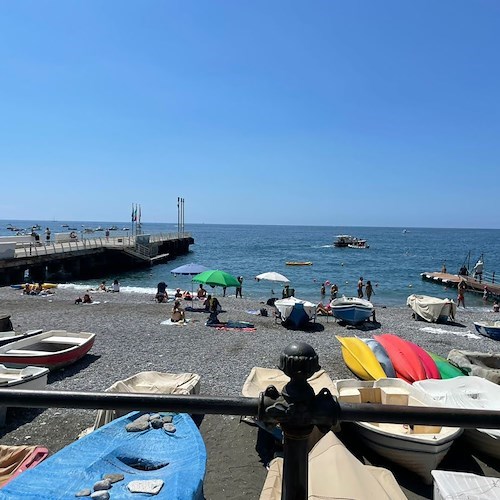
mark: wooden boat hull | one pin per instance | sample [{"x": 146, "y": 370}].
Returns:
[
  {"x": 351, "y": 310},
  {"x": 178, "y": 459},
  {"x": 419, "y": 449},
  {"x": 360, "y": 359},
  {"x": 488, "y": 329},
  {"x": 52, "y": 349}
]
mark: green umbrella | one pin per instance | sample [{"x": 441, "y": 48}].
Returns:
[{"x": 216, "y": 278}]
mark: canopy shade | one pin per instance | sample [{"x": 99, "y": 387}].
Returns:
[
  {"x": 272, "y": 276},
  {"x": 216, "y": 278},
  {"x": 189, "y": 269}
]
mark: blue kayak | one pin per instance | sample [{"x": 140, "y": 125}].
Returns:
[{"x": 176, "y": 456}]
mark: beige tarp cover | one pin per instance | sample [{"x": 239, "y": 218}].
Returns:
[
  {"x": 11, "y": 458},
  {"x": 260, "y": 378},
  {"x": 431, "y": 308},
  {"x": 152, "y": 383},
  {"x": 335, "y": 473}
]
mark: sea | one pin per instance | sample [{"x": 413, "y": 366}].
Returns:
[{"x": 393, "y": 263}]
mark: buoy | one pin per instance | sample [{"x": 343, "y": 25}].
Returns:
[
  {"x": 410, "y": 285},
  {"x": 346, "y": 282}
]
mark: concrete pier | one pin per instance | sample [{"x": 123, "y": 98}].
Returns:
[
  {"x": 473, "y": 284},
  {"x": 90, "y": 257}
]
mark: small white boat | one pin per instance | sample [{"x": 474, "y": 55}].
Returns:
[
  {"x": 7, "y": 337},
  {"x": 418, "y": 448},
  {"x": 488, "y": 329},
  {"x": 359, "y": 244},
  {"x": 481, "y": 364},
  {"x": 449, "y": 485},
  {"x": 52, "y": 349},
  {"x": 473, "y": 393},
  {"x": 432, "y": 309},
  {"x": 351, "y": 309},
  {"x": 335, "y": 473},
  {"x": 30, "y": 377},
  {"x": 295, "y": 312}
]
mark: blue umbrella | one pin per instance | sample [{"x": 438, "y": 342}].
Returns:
[{"x": 187, "y": 269}]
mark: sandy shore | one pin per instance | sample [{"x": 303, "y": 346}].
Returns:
[{"x": 130, "y": 339}]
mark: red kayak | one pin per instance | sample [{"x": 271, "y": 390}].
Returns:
[
  {"x": 430, "y": 367},
  {"x": 405, "y": 360}
]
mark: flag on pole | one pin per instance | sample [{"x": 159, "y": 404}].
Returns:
[{"x": 132, "y": 212}]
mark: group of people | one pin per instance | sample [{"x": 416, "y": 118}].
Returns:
[
  {"x": 362, "y": 288},
  {"x": 87, "y": 299},
  {"x": 35, "y": 289},
  {"x": 210, "y": 305}
]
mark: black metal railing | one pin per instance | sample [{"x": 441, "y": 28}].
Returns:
[{"x": 297, "y": 409}]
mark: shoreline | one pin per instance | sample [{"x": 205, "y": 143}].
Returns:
[{"x": 127, "y": 323}]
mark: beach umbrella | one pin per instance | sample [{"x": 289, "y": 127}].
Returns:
[
  {"x": 214, "y": 277},
  {"x": 272, "y": 276},
  {"x": 189, "y": 269}
]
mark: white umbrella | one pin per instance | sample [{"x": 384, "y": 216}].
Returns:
[{"x": 272, "y": 276}]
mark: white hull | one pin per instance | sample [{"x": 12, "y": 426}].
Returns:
[
  {"x": 419, "y": 449},
  {"x": 460, "y": 485}
]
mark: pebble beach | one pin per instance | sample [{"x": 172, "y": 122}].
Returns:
[{"x": 130, "y": 338}]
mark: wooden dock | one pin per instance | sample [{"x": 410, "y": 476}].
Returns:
[
  {"x": 90, "y": 257},
  {"x": 473, "y": 284}
]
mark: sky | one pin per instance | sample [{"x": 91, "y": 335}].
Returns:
[{"x": 325, "y": 112}]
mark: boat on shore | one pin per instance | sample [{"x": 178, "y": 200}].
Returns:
[
  {"x": 431, "y": 309},
  {"x": 464, "y": 485},
  {"x": 165, "y": 452},
  {"x": 481, "y": 364},
  {"x": 418, "y": 448},
  {"x": 351, "y": 310},
  {"x": 16, "y": 459},
  {"x": 295, "y": 312},
  {"x": 52, "y": 349},
  {"x": 489, "y": 329}
]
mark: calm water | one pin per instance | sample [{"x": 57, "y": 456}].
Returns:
[{"x": 393, "y": 262}]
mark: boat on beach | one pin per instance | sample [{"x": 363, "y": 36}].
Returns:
[
  {"x": 164, "y": 456},
  {"x": 481, "y": 364},
  {"x": 52, "y": 349},
  {"x": 418, "y": 448},
  {"x": 16, "y": 459},
  {"x": 489, "y": 329},
  {"x": 463, "y": 485},
  {"x": 431, "y": 309},
  {"x": 473, "y": 393},
  {"x": 30, "y": 377},
  {"x": 351, "y": 310},
  {"x": 295, "y": 312}
]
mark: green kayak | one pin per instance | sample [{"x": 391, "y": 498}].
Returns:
[{"x": 446, "y": 369}]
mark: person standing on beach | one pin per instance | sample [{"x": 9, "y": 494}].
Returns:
[
  {"x": 238, "y": 289},
  {"x": 360, "y": 287},
  {"x": 369, "y": 290},
  {"x": 47, "y": 235},
  {"x": 461, "y": 291}
]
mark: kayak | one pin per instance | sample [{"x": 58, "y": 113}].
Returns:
[
  {"x": 446, "y": 369},
  {"x": 431, "y": 370},
  {"x": 382, "y": 356},
  {"x": 360, "y": 359}
]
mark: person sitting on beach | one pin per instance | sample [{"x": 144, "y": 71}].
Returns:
[
  {"x": 87, "y": 299},
  {"x": 178, "y": 294},
  {"x": 496, "y": 306},
  {"x": 116, "y": 286},
  {"x": 102, "y": 287},
  {"x": 207, "y": 302},
  {"x": 202, "y": 293},
  {"x": 214, "y": 309},
  {"x": 187, "y": 295},
  {"x": 161, "y": 292},
  {"x": 177, "y": 313},
  {"x": 27, "y": 289},
  {"x": 324, "y": 310}
]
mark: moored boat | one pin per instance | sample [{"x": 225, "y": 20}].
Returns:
[
  {"x": 344, "y": 240},
  {"x": 359, "y": 244},
  {"x": 298, "y": 263},
  {"x": 170, "y": 456},
  {"x": 488, "y": 329},
  {"x": 52, "y": 349},
  {"x": 351, "y": 309},
  {"x": 462, "y": 485},
  {"x": 418, "y": 448}
]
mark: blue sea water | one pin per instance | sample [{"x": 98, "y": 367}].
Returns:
[{"x": 393, "y": 262}]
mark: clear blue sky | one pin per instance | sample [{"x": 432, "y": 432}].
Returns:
[{"x": 370, "y": 113}]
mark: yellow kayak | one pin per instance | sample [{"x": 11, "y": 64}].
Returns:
[
  {"x": 45, "y": 286},
  {"x": 360, "y": 359}
]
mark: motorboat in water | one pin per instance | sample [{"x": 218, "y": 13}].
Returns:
[
  {"x": 359, "y": 244},
  {"x": 344, "y": 240},
  {"x": 52, "y": 349},
  {"x": 352, "y": 310},
  {"x": 418, "y": 448},
  {"x": 473, "y": 393},
  {"x": 432, "y": 309},
  {"x": 295, "y": 312},
  {"x": 488, "y": 329}
]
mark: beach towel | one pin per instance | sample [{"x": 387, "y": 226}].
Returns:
[
  {"x": 234, "y": 325},
  {"x": 196, "y": 309},
  {"x": 169, "y": 322}
]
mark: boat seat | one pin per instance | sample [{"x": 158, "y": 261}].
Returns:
[
  {"x": 64, "y": 340},
  {"x": 27, "y": 352}
]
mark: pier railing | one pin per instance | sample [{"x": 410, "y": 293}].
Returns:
[
  {"x": 85, "y": 243},
  {"x": 297, "y": 409}
]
